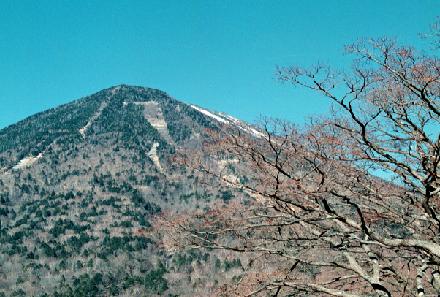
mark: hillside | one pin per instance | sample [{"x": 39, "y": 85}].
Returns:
[{"x": 79, "y": 184}]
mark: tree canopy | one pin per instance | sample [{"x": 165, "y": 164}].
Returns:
[{"x": 347, "y": 206}]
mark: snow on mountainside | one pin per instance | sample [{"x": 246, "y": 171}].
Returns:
[
  {"x": 210, "y": 114},
  {"x": 79, "y": 184},
  {"x": 229, "y": 120},
  {"x": 26, "y": 162},
  {"x": 84, "y": 129}
]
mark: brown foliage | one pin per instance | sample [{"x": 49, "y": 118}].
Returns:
[{"x": 317, "y": 221}]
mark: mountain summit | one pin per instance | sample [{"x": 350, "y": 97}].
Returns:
[{"x": 78, "y": 184}]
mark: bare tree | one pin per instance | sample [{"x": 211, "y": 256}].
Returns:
[{"x": 317, "y": 220}]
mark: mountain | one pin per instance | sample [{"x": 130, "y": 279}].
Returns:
[{"x": 79, "y": 184}]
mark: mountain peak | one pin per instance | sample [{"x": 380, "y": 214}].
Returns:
[
  {"x": 125, "y": 90},
  {"x": 125, "y": 113},
  {"x": 134, "y": 115},
  {"x": 80, "y": 182}
]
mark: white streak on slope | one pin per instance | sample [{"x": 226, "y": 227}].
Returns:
[
  {"x": 26, "y": 162},
  {"x": 152, "y": 154},
  {"x": 211, "y": 115},
  {"x": 227, "y": 119},
  {"x": 244, "y": 127},
  {"x": 154, "y": 115},
  {"x": 84, "y": 129}
]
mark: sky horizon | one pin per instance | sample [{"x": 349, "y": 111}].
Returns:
[{"x": 221, "y": 55}]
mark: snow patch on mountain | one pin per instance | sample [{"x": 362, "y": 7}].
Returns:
[
  {"x": 152, "y": 154},
  {"x": 27, "y": 162},
  {"x": 210, "y": 114},
  {"x": 243, "y": 126},
  {"x": 228, "y": 176},
  {"x": 229, "y": 120},
  {"x": 97, "y": 114},
  {"x": 154, "y": 115}
]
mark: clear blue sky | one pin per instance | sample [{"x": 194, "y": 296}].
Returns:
[{"x": 217, "y": 54}]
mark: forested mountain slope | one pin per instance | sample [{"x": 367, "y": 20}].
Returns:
[{"x": 79, "y": 184}]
